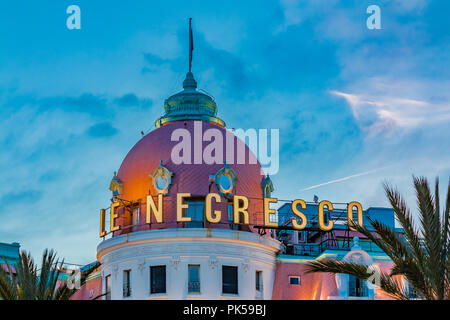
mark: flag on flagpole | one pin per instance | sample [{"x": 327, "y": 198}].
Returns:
[{"x": 191, "y": 44}]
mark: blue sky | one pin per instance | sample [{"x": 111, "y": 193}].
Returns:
[{"x": 347, "y": 100}]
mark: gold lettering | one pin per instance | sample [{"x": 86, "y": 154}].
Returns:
[
  {"x": 237, "y": 209},
  {"x": 102, "y": 222},
  {"x": 268, "y": 212},
  {"x": 299, "y": 214},
  {"x": 181, "y": 206},
  {"x": 350, "y": 207},
  {"x": 114, "y": 216},
  {"x": 157, "y": 211},
  {"x": 321, "y": 221},
  {"x": 208, "y": 213}
]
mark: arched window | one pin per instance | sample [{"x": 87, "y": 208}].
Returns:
[{"x": 196, "y": 211}]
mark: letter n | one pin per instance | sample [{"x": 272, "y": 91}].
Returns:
[{"x": 157, "y": 211}]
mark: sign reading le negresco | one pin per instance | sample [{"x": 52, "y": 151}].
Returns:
[{"x": 240, "y": 206}]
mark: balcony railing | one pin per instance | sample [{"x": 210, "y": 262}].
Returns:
[
  {"x": 194, "y": 287},
  {"x": 315, "y": 249},
  {"x": 360, "y": 291},
  {"x": 126, "y": 291}
]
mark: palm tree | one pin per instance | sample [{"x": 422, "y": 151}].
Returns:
[
  {"x": 31, "y": 283},
  {"x": 421, "y": 256}
]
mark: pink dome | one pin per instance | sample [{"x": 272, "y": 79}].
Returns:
[{"x": 157, "y": 146}]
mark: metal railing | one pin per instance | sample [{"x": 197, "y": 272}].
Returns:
[
  {"x": 259, "y": 292},
  {"x": 315, "y": 249},
  {"x": 359, "y": 291},
  {"x": 194, "y": 286},
  {"x": 126, "y": 291}
]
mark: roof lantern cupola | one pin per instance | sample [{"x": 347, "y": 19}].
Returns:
[{"x": 189, "y": 104}]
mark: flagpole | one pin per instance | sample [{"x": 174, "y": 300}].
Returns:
[{"x": 191, "y": 44}]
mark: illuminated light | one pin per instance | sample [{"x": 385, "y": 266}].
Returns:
[
  {"x": 322, "y": 225},
  {"x": 217, "y": 213},
  {"x": 240, "y": 207},
  {"x": 237, "y": 209},
  {"x": 350, "y": 207},
  {"x": 268, "y": 212},
  {"x": 299, "y": 214},
  {"x": 157, "y": 211},
  {"x": 114, "y": 216},
  {"x": 181, "y": 206},
  {"x": 102, "y": 222}
]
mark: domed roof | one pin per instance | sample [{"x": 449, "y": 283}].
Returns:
[
  {"x": 189, "y": 104},
  {"x": 150, "y": 168},
  {"x": 157, "y": 147}
]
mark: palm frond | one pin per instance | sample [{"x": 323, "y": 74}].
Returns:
[
  {"x": 333, "y": 266},
  {"x": 403, "y": 215},
  {"x": 387, "y": 240},
  {"x": 431, "y": 231},
  {"x": 8, "y": 287},
  {"x": 446, "y": 243},
  {"x": 29, "y": 283},
  {"x": 392, "y": 287},
  {"x": 424, "y": 264}
]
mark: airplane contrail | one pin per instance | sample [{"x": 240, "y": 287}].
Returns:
[{"x": 342, "y": 179}]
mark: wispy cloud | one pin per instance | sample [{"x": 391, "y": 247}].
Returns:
[
  {"x": 387, "y": 111},
  {"x": 270, "y": 65},
  {"x": 342, "y": 179}
]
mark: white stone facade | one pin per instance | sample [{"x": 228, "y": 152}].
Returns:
[{"x": 176, "y": 249}]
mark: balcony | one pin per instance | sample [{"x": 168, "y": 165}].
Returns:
[
  {"x": 194, "y": 287},
  {"x": 126, "y": 291},
  {"x": 317, "y": 248}
]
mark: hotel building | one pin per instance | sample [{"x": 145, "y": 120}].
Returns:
[{"x": 148, "y": 259}]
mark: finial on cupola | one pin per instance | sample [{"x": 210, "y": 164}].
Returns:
[
  {"x": 191, "y": 44},
  {"x": 189, "y": 82}
]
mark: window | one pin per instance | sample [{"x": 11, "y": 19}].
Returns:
[
  {"x": 108, "y": 287},
  {"x": 229, "y": 279},
  {"x": 273, "y": 217},
  {"x": 230, "y": 218},
  {"x": 412, "y": 294},
  {"x": 194, "y": 278},
  {"x": 258, "y": 280},
  {"x": 357, "y": 287},
  {"x": 294, "y": 280},
  {"x": 126, "y": 283},
  {"x": 135, "y": 215},
  {"x": 225, "y": 179},
  {"x": 196, "y": 212},
  {"x": 226, "y": 183},
  {"x": 158, "y": 279}
]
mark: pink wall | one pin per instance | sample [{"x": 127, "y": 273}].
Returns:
[
  {"x": 314, "y": 286},
  {"x": 83, "y": 292}
]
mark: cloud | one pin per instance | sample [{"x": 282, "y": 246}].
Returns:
[
  {"x": 57, "y": 166},
  {"x": 102, "y": 130},
  {"x": 131, "y": 100},
  {"x": 341, "y": 179},
  {"x": 23, "y": 197},
  {"x": 268, "y": 66},
  {"x": 218, "y": 66},
  {"x": 85, "y": 103},
  {"x": 393, "y": 105}
]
